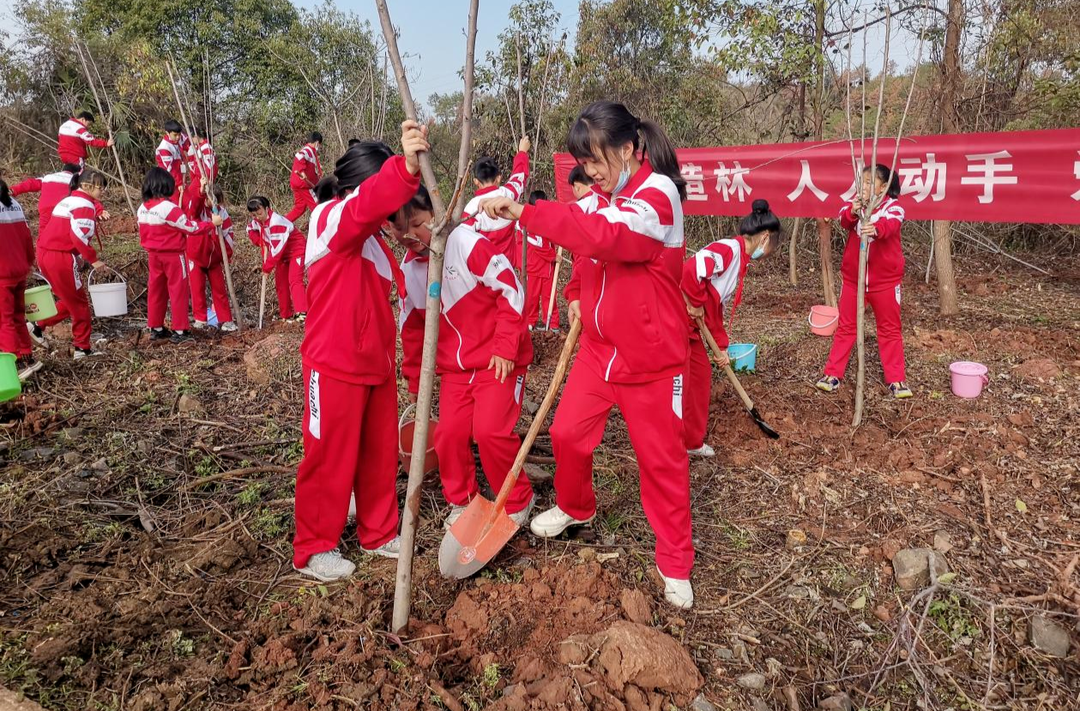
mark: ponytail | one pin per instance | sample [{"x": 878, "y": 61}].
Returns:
[
  {"x": 363, "y": 160},
  {"x": 606, "y": 125},
  {"x": 762, "y": 219},
  {"x": 5, "y": 196},
  {"x": 661, "y": 154}
]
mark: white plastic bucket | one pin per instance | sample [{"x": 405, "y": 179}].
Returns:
[{"x": 108, "y": 299}]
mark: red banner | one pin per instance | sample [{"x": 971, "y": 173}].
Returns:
[{"x": 1017, "y": 176}]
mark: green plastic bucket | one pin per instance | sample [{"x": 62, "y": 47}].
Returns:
[
  {"x": 10, "y": 387},
  {"x": 40, "y": 303}
]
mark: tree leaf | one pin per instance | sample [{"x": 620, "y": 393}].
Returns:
[
  {"x": 946, "y": 578},
  {"x": 1021, "y": 506},
  {"x": 859, "y": 603}
]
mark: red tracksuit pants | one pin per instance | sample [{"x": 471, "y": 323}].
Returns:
[
  {"x": 219, "y": 292},
  {"x": 653, "y": 414},
  {"x": 14, "y": 338},
  {"x": 476, "y": 406},
  {"x": 350, "y": 445},
  {"x": 885, "y": 303},
  {"x": 167, "y": 287},
  {"x": 697, "y": 394},
  {"x": 61, "y": 269},
  {"x": 303, "y": 200},
  {"x": 289, "y": 282},
  {"x": 538, "y": 293}
]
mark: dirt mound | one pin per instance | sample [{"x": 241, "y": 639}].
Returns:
[
  {"x": 944, "y": 340},
  {"x": 262, "y": 359},
  {"x": 1038, "y": 369}
]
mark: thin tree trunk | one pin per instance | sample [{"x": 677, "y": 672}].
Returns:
[
  {"x": 950, "y": 78},
  {"x": 793, "y": 273},
  {"x": 828, "y": 283},
  {"x": 444, "y": 222}
]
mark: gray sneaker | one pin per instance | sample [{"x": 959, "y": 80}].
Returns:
[
  {"x": 229, "y": 327},
  {"x": 454, "y": 515},
  {"x": 389, "y": 549},
  {"x": 522, "y": 516},
  {"x": 327, "y": 567}
]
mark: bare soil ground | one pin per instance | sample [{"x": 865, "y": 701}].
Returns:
[{"x": 145, "y": 521}]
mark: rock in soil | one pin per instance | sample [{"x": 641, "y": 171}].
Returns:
[
  {"x": 647, "y": 658},
  {"x": 635, "y": 606},
  {"x": 702, "y": 704},
  {"x": 752, "y": 681},
  {"x": 1049, "y": 637},
  {"x": 838, "y": 702},
  {"x": 911, "y": 567}
]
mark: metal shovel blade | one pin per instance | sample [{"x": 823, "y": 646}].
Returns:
[
  {"x": 466, "y": 547},
  {"x": 763, "y": 425}
]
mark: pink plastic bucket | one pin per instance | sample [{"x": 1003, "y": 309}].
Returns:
[
  {"x": 822, "y": 320},
  {"x": 968, "y": 379}
]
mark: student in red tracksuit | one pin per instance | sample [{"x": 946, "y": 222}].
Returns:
[
  {"x": 306, "y": 174},
  {"x": 164, "y": 231},
  {"x": 483, "y": 352},
  {"x": 205, "y": 263},
  {"x": 203, "y": 162},
  {"x": 884, "y": 272},
  {"x": 349, "y": 353},
  {"x": 16, "y": 261},
  {"x": 171, "y": 156},
  {"x": 53, "y": 187},
  {"x": 73, "y": 138},
  {"x": 486, "y": 178},
  {"x": 66, "y": 238},
  {"x": 711, "y": 280},
  {"x": 580, "y": 182},
  {"x": 282, "y": 248},
  {"x": 634, "y": 336},
  {"x": 540, "y": 266}
]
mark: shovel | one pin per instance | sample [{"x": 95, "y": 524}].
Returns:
[
  {"x": 485, "y": 527},
  {"x": 747, "y": 402}
]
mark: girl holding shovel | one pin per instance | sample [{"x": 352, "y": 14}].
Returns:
[
  {"x": 634, "y": 335},
  {"x": 712, "y": 279}
]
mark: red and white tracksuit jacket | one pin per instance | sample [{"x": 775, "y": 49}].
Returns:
[
  {"x": 67, "y": 236},
  {"x": 711, "y": 279},
  {"x": 203, "y": 161},
  {"x": 633, "y": 351},
  {"x": 53, "y": 187},
  {"x": 205, "y": 266},
  {"x": 16, "y": 259},
  {"x": 282, "y": 248},
  {"x": 498, "y": 230},
  {"x": 305, "y": 175},
  {"x": 171, "y": 157},
  {"x": 348, "y": 352},
  {"x": 884, "y": 272},
  {"x": 482, "y": 302},
  {"x": 72, "y": 140},
  {"x": 164, "y": 231},
  {"x": 540, "y": 266}
]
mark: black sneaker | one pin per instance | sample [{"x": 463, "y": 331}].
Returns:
[
  {"x": 160, "y": 334},
  {"x": 81, "y": 353},
  {"x": 181, "y": 336}
]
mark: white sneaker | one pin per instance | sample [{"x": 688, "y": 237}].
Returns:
[
  {"x": 37, "y": 334},
  {"x": 327, "y": 567},
  {"x": 390, "y": 549},
  {"x": 678, "y": 592},
  {"x": 522, "y": 516},
  {"x": 198, "y": 325},
  {"x": 702, "y": 451},
  {"x": 554, "y": 521},
  {"x": 82, "y": 353},
  {"x": 454, "y": 515},
  {"x": 28, "y": 368},
  {"x": 229, "y": 327}
]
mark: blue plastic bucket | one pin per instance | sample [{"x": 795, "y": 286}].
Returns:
[{"x": 743, "y": 356}]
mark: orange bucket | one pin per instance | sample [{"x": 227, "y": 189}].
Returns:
[
  {"x": 405, "y": 442},
  {"x": 823, "y": 320}
]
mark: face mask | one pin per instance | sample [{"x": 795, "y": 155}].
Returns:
[
  {"x": 758, "y": 253},
  {"x": 624, "y": 178}
]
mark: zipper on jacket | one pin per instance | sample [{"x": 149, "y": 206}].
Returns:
[
  {"x": 596, "y": 320},
  {"x": 457, "y": 355}
]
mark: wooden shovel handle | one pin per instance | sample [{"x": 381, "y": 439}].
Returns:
[
  {"x": 538, "y": 419},
  {"x": 707, "y": 335}
]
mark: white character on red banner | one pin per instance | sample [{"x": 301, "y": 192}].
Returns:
[
  {"x": 695, "y": 182},
  {"x": 732, "y": 180},
  {"x": 1076, "y": 172},
  {"x": 989, "y": 167},
  {"x": 856, "y": 183},
  {"x": 926, "y": 179},
  {"x": 806, "y": 182}
]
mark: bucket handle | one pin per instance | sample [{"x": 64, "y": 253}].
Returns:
[
  {"x": 810, "y": 317},
  {"x": 90, "y": 276},
  {"x": 750, "y": 352},
  {"x": 405, "y": 415}
]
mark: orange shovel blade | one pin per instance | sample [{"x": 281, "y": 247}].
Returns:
[{"x": 474, "y": 539}]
